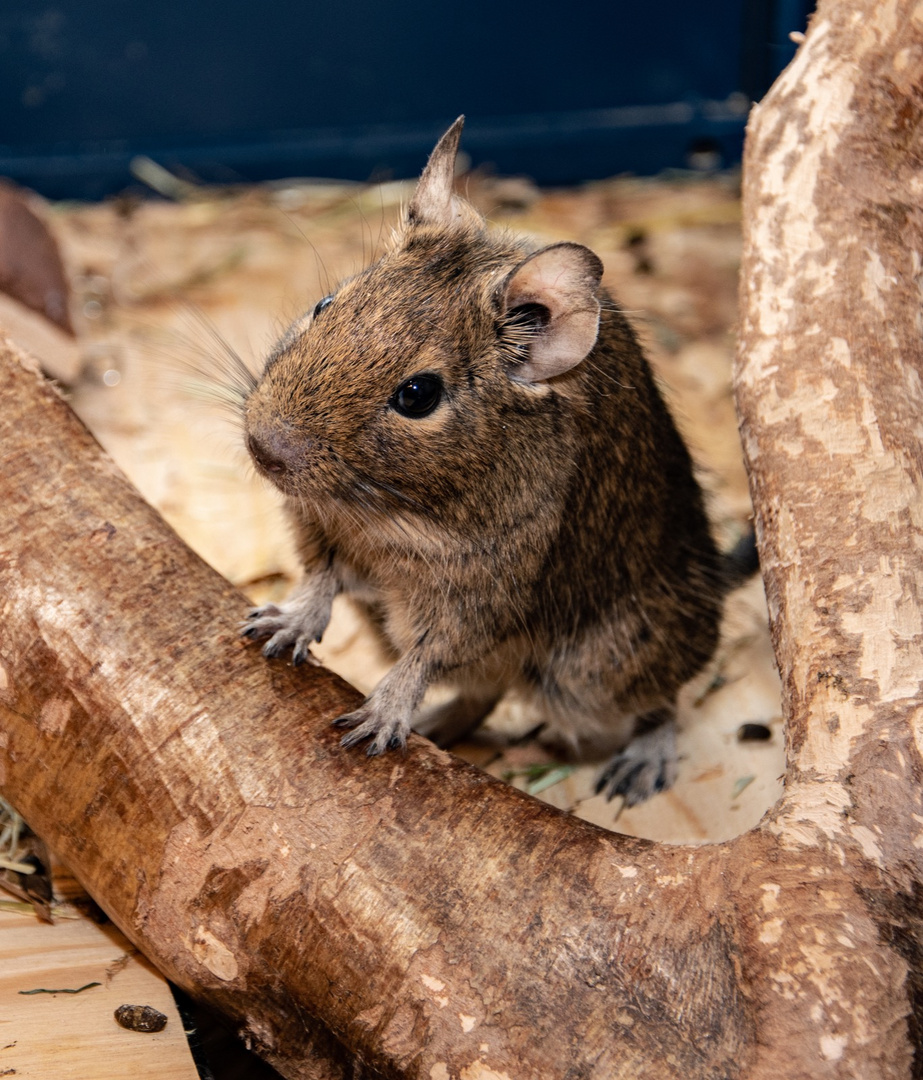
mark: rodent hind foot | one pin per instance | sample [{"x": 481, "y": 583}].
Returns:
[{"x": 645, "y": 767}]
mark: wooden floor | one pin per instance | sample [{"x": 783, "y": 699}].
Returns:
[{"x": 74, "y": 1036}]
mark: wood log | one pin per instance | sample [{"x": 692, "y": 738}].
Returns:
[{"x": 409, "y": 916}]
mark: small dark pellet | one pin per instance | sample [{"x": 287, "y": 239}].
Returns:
[
  {"x": 140, "y": 1018},
  {"x": 753, "y": 733}
]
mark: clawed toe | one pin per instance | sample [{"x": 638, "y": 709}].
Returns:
[
  {"x": 635, "y": 781},
  {"x": 284, "y": 629},
  {"x": 385, "y": 734},
  {"x": 274, "y": 648},
  {"x": 645, "y": 767},
  {"x": 265, "y": 612}
]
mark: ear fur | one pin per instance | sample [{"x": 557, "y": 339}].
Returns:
[
  {"x": 561, "y": 279},
  {"x": 433, "y": 201}
]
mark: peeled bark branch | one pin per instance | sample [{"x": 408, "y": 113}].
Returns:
[{"x": 413, "y": 913}]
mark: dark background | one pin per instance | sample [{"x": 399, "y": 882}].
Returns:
[{"x": 221, "y": 90}]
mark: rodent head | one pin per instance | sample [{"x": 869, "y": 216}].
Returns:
[{"x": 420, "y": 384}]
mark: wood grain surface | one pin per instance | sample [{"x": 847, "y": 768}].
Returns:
[{"x": 75, "y": 1036}]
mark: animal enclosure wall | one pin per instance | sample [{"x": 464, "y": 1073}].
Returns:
[{"x": 231, "y": 92}]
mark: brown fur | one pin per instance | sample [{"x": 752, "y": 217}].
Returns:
[{"x": 537, "y": 532}]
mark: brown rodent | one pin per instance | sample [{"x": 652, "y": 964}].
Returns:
[{"x": 471, "y": 440}]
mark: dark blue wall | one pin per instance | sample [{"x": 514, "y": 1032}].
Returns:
[{"x": 225, "y": 90}]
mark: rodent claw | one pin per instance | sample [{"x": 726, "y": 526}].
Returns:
[
  {"x": 624, "y": 781},
  {"x": 352, "y": 738},
  {"x": 635, "y": 780},
  {"x": 619, "y": 778},
  {"x": 386, "y": 734},
  {"x": 293, "y": 626}
]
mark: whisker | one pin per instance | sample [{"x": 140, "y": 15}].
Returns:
[
  {"x": 401, "y": 496},
  {"x": 323, "y": 274},
  {"x": 233, "y": 365},
  {"x": 203, "y": 363}
]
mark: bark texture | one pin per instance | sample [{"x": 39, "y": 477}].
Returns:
[{"x": 412, "y": 914}]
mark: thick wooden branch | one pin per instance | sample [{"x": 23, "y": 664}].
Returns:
[
  {"x": 830, "y": 392},
  {"x": 413, "y": 913}
]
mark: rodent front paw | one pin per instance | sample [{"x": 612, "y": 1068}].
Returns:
[
  {"x": 369, "y": 722},
  {"x": 287, "y": 628}
]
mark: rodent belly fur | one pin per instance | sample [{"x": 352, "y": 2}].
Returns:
[{"x": 469, "y": 436}]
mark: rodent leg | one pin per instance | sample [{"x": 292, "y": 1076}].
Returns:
[
  {"x": 450, "y": 722},
  {"x": 385, "y": 715},
  {"x": 297, "y": 622},
  {"x": 647, "y": 764}
]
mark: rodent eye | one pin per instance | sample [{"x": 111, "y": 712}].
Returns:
[
  {"x": 418, "y": 396},
  {"x": 321, "y": 304}
]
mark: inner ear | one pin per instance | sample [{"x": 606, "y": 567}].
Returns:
[
  {"x": 528, "y": 317},
  {"x": 552, "y": 296}
]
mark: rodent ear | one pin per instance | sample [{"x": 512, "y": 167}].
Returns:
[
  {"x": 555, "y": 289},
  {"x": 433, "y": 201}
]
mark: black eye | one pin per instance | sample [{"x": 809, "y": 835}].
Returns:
[
  {"x": 418, "y": 396},
  {"x": 321, "y": 304}
]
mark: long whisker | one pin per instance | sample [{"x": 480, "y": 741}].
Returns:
[
  {"x": 245, "y": 377},
  {"x": 323, "y": 274},
  {"x": 394, "y": 492}
]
